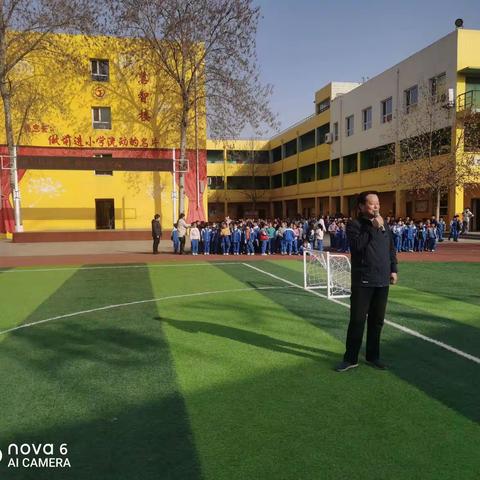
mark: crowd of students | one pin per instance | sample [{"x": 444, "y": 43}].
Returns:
[
  {"x": 292, "y": 237},
  {"x": 264, "y": 237}
]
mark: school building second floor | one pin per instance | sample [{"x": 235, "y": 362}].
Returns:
[{"x": 349, "y": 143}]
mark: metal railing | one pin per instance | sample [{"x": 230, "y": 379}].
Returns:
[{"x": 469, "y": 101}]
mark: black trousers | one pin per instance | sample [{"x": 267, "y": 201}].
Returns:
[
  {"x": 156, "y": 241},
  {"x": 182, "y": 244},
  {"x": 366, "y": 303}
]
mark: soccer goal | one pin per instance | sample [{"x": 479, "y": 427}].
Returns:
[{"x": 327, "y": 270}]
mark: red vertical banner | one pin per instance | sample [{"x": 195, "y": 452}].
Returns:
[
  {"x": 7, "y": 219},
  {"x": 196, "y": 212}
]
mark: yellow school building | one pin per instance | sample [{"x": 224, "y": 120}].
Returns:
[{"x": 99, "y": 156}]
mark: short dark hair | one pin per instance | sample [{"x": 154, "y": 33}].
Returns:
[
  {"x": 362, "y": 197},
  {"x": 156, "y": 216}
]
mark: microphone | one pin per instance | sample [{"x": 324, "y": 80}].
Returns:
[{"x": 376, "y": 214}]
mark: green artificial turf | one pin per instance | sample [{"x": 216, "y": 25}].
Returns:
[{"x": 239, "y": 384}]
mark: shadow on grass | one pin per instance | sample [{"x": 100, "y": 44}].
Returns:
[
  {"x": 249, "y": 338},
  {"x": 449, "y": 378},
  {"x": 103, "y": 382}
]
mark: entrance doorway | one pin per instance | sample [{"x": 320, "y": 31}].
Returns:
[
  {"x": 105, "y": 214},
  {"x": 475, "y": 222}
]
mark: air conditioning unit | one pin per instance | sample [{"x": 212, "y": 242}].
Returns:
[
  {"x": 328, "y": 137},
  {"x": 451, "y": 98}
]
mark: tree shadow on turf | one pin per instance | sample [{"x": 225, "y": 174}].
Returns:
[
  {"x": 103, "y": 382},
  {"x": 248, "y": 337},
  {"x": 443, "y": 375}
]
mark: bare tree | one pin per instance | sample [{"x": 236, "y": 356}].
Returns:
[
  {"x": 436, "y": 146},
  {"x": 27, "y": 36},
  {"x": 257, "y": 171},
  {"x": 206, "y": 49}
]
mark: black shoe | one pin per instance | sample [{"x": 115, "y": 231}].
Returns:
[
  {"x": 344, "y": 366},
  {"x": 377, "y": 364}
]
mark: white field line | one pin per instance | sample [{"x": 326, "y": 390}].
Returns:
[
  {"x": 138, "y": 302},
  {"x": 109, "y": 267},
  {"x": 407, "y": 330}
]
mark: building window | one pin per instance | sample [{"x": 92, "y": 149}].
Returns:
[
  {"x": 216, "y": 183},
  {"x": 377, "y": 157},
  {"x": 335, "y": 131},
  {"x": 307, "y": 140},
  {"x": 100, "y": 70},
  {"x": 335, "y": 167},
  {"x": 290, "y": 178},
  {"x": 438, "y": 88},
  {"x": 248, "y": 156},
  {"x": 290, "y": 148},
  {"x": 248, "y": 183},
  {"x": 277, "y": 181},
  {"x": 387, "y": 109},
  {"x": 349, "y": 126},
  {"x": 104, "y": 172},
  {"x": 410, "y": 98},
  {"x": 214, "y": 156},
  {"x": 367, "y": 118},
  {"x": 323, "y": 105},
  {"x": 102, "y": 118},
  {"x": 350, "y": 163},
  {"x": 323, "y": 170},
  {"x": 307, "y": 173},
  {"x": 277, "y": 154},
  {"x": 322, "y": 130}
]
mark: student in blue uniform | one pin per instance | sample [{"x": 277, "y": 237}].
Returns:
[
  {"x": 225, "y": 238},
  {"x": 411, "y": 232},
  {"x": 441, "y": 226},
  {"x": 339, "y": 237},
  {"x": 236, "y": 239},
  {"x": 455, "y": 227},
  {"x": 421, "y": 237},
  {"x": 305, "y": 247},
  {"x": 249, "y": 241},
  {"x": 206, "y": 238},
  {"x": 175, "y": 239},
  {"x": 288, "y": 238},
  {"x": 405, "y": 236},
  {"x": 264, "y": 239},
  {"x": 214, "y": 240},
  {"x": 272, "y": 233},
  {"x": 397, "y": 235},
  {"x": 345, "y": 248},
  {"x": 431, "y": 236}
]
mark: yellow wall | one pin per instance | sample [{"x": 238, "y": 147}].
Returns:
[
  {"x": 59, "y": 200},
  {"x": 144, "y": 117}
]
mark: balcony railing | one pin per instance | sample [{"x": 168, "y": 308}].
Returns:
[{"x": 469, "y": 101}]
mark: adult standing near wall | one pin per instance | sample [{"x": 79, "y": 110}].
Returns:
[
  {"x": 182, "y": 226},
  {"x": 467, "y": 215},
  {"x": 156, "y": 232},
  {"x": 374, "y": 268}
]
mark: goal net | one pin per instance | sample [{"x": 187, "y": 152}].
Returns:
[{"x": 329, "y": 271}]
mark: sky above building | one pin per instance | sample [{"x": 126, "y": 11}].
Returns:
[{"x": 305, "y": 44}]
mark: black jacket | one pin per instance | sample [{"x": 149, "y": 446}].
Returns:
[
  {"x": 156, "y": 229},
  {"x": 372, "y": 252}
]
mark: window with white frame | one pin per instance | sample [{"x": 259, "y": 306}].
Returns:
[
  {"x": 410, "y": 98},
  {"x": 387, "y": 110},
  {"x": 367, "y": 118},
  {"x": 438, "y": 88},
  {"x": 100, "y": 70},
  {"x": 349, "y": 126},
  {"x": 101, "y": 118},
  {"x": 335, "y": 131},
  {"x": 323, "y": 105}
]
